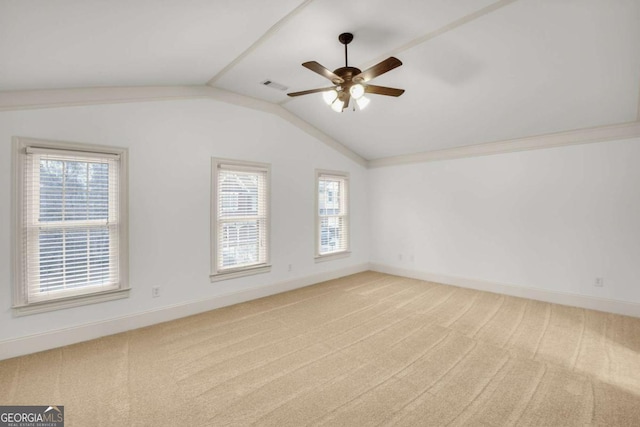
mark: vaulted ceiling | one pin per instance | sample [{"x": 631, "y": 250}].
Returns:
[{"x": 475, "y": 71}]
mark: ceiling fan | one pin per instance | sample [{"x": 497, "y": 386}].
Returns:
[{"x": 351, "y": 82}]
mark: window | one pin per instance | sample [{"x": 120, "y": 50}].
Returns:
[
  {"x": 240, "y": 218},
  {"x": 332, "y": 215},
  {"x": 71, "y": 224}
]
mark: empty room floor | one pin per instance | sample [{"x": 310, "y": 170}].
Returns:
[{"x": 367, "y": 349}]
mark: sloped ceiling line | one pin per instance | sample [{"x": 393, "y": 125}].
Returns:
[
  {"x": 431, "y": 35},
  {"x": 57, "y": 98},
  {"x": 577, "y": 84},
  {"x": 445, "y": 29},
  {"x": 560, "y": 139},
  {"x": 274, "y": 28}
]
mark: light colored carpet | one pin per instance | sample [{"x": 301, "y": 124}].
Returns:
[{"x": 368, "y": 349}]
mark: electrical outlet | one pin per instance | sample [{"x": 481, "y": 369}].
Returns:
[
  {"x": 599, "y": 282},
  {"x": 290, "y": 267},
  {"x": 399, "y": 257},
  {"x": 155, "y": 291}
]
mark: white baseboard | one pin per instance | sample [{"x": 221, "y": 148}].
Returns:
[
  {"x": 564, "y": 298},
  {"x": 61, "y": 337}
]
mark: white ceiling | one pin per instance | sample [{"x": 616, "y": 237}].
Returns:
[{"x": 475, "y": 71}]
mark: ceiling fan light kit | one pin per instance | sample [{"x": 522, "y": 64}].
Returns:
[{"x": 351, "y": 82}]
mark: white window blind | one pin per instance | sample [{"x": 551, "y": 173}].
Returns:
[
  {"x": 70, "y": 218},
  {"x": 333, "y": 213},
  {"x": 242, "y": 217}
]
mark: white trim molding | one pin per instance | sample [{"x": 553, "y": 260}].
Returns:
[
  {"x": 262, "y": 173},
  {"x": 563, "y": 298},
  {"x": 218, "y": 277},
  {"x": 59, "y": 98},
  {"x": 430, "y": 35},
  {"x": 56, "y": 98},
  {"x": 332, "y": 257},
  {"x": 71, "y": 302},
  {"x": 25, "y": 301},
  {"x": 270, "y": 32},
  {"x": 67, "y": 336},
  {"x": 440, "y": 31},
  {"x": 560, "y": 139},
  {"x": 345, "y": 214}
]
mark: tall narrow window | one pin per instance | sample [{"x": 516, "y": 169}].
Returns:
[
  {"x": 332, "y": 215},
  {"x": 71, "y": 224},
  {"x": 240, "y": 218}
]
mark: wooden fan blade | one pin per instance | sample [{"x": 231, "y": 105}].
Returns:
[
  {"x": 383, "y": 90},
  {"x": 378, "y": 69},
  {"x": 307, "y": 92},
  {"x": 324, "y": 72}
]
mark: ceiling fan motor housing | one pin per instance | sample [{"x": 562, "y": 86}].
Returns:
[
  {"x": 348, "y": 80},
  {"x": 347, "y": 74}
]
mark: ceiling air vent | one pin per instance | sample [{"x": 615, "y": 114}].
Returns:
[{"x": 274, "y": 85}]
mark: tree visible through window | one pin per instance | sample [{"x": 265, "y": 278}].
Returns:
[
  {"x": 70, "y": 222},
  {"x": 73, "y": 224}
]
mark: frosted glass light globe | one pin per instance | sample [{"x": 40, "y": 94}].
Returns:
[
  {"x": 362, "y": 102},
  {"x": 357, "y": 91},
  {"x": 329, "y": 96}
]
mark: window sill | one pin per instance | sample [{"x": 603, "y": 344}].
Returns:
[
  {"x": 249, "y": 271},
  {"x": 331, "y": 257},
  {"x": 75, "y": 301}
]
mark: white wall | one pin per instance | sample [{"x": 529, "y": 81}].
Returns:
[
  {"x": 171, "y": 144},
  {"x": 551, "y": 220}
]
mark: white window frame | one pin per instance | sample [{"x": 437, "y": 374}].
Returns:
[
  {"x": 218, "y": 274},
  {"x": 21, "y": 304},
  {"x": 320, "y": 257}
]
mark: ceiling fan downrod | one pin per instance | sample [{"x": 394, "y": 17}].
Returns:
[
  {"x": 345, "y": 39},
  {"x": 348, "y": 82}
]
